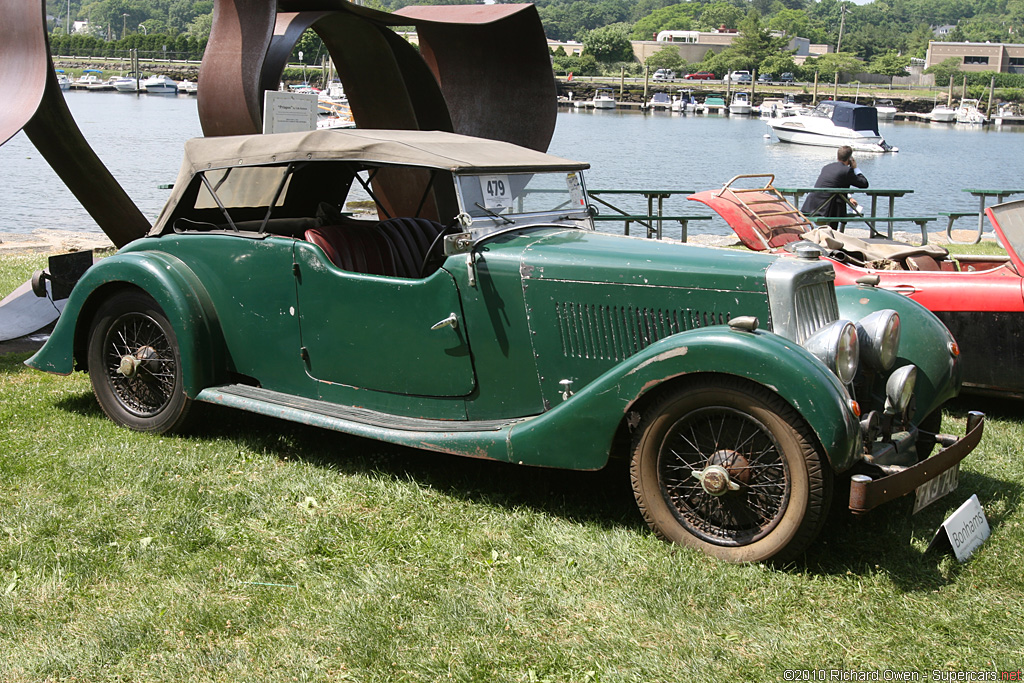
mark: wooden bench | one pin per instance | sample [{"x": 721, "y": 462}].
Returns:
[
  {"x": 649, "y": 222},
  {"x": 921, "y": 221}
]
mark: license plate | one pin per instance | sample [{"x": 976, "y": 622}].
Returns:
[{"x": 931, "y": 491}]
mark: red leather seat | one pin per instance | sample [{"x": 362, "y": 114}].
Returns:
[{"x": 357, "y": 249}]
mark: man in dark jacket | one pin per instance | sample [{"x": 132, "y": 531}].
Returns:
[{"x": 841, "y": 173}]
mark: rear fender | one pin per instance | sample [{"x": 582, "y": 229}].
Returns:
[
  {"x": 578, "y": 433},
  {"x": 172, "y": 285}
]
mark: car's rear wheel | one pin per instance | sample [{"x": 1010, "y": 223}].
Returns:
[
  {"x": 729, "y": 468},
  {"x": 135, "y": 365}
]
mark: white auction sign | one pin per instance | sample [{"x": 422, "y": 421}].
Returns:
[
  {"x": 289, "y": 112},
  {"x": 967, "y": 528}
]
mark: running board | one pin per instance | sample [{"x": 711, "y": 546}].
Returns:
[{"x": 339, "y": 418}]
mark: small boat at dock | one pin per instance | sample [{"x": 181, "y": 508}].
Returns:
[
  {"x": 968, "y": 112},
  {"x": 713, "y": 104},
  {"x": 740, "y": 105},
  {"x": 660, "y": 101},
  {"x": 886, "y": 109},
  {"x": 159, "y": 84},
  {"x": 833, "y": 124},
  {"x": 940, "y": 113}
]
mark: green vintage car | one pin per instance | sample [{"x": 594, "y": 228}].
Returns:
[{"x": 478, "y": 312}]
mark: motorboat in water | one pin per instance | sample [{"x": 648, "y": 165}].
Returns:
[
  {"x": 660, "y": 101},
  {"x": 683, "y": 102},
  {"x": 968, "y": 112},
  {"x": 885, "y": 108},
  {"x": 63, "y": 81},
  {"x": 603, "y": 99},
  {"x": 188, "y": 87},
  {"x": 940, "y": 113},
  {"x": 126, "y": 84},
  {"x": 740, "y": 104},
  {"x": 833, "y": 124},
  {"x": 159, "y": 83},
  {"x": 713, "y": 104}
]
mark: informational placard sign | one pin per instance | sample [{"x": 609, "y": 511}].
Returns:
[
  {"x": 289, "y": 112},
  {"x": 497, "y": 192},
  {"x": 964, "y": 530},
  {"x": 572, "y": 181}
]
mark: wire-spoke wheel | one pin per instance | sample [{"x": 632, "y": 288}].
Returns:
[
  {"x": 728, "y": 467},
  {"x": 135, "y": 365}
]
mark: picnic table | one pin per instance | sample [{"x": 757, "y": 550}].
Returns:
[
  {"x": 983, "y": 196},
  {"x": 652, "y": 221},
  {"x": 870, "y": 219}
]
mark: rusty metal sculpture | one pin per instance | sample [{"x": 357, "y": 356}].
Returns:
[
  {"x": 35, "y": 104},
  {"x": 481, "y": 70}
]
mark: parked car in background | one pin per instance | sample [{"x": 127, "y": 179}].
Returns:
[
  {"x": 978, "y": 298},
  {"x": 477, "y": 312},
  {"x": 700, "y": 76},
  {"x": 664, "y": 75},
  {"x": 738, "y": 77},
  {"x": 787, "y": 77},
  {"x": 765, "y": 78}
]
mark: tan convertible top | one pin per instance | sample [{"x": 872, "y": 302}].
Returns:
[
  {"x": 428, "y": 149},
  {"x": 432, "y": 149}
]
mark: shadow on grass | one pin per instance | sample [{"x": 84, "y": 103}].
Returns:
[
  {"x": 888, "y": 538},
  {"x": 603, "y": 498}
]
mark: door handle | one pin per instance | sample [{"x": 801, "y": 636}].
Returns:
[
  {"x": 905, "y": 290},
  {"x": 451, "y": 321}
]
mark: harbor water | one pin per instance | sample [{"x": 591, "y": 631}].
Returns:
[{"x": 140, "y": 137}]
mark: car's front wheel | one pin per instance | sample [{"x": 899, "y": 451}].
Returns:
[
  {"x": 729, "y": 468},
  {"x": 135, "y": 365}
]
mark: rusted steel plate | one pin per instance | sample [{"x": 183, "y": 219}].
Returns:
[
  {"x": 35, "y": 103},
  {"x": 494, "y": 68},
  {"x": 230, "y": 97},
  {"x": 25, "y": 59}
]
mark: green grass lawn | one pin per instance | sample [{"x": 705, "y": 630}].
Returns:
[{"x": 252, "y": 549}]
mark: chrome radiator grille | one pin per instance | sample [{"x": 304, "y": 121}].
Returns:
[
  {"x": 618, "y": 332},
  {"x": 816, "y": 307}
]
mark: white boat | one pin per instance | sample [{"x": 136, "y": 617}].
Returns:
[
  {"x": 159, "y": 83},
  {"x": 89, "y": 78},
  {"x": 603, "y": 99},
  {"x": 63, "y": 82},
  {"x": 968, "y": 112},
  {"x": 683, "y": 102},
  {"x": 740, "y": 104},
  {"x": 833, "y": 124},
  {"x": 940, "y": 113},
  {"x": 660, "y": 101},
  {"x": 713, "y": 104},
  {"x": 126, "y": 84},
  {"x": 886, "y": 109},
  {"x": 188, "y": 87}
]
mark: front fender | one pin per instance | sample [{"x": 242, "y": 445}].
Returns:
[
  {"x": 172, "y": 285},
  {"x": 578, "y": 433},
  {"x": 924, "y": 341}
]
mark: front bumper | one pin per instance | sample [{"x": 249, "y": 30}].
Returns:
[{"x": 867, "y": 495}]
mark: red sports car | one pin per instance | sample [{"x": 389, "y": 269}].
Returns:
[
  {"x": 979, "y": 298},
  {"x": 700, "y": 76}
]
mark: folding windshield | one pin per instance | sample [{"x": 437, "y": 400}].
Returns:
[{"x": 487, "y": 196}]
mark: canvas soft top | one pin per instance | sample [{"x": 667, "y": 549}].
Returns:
[
  {"x": 431, "y": 149},
  {"x": 426, "y": 149}
]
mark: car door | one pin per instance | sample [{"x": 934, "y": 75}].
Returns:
[{"x": 397, "y": 335}]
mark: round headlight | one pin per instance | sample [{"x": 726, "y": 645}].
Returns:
[
  {"x": 836, "y": 346},
  {"x": 879, "y": 335},
  {"x": 899, "y": 389}
]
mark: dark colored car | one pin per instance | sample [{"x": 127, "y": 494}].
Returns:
[
  {"x": 700, "y": 76},
  {"x": 478, "y": 313},
  {"x": 787, "y": 77},
  {"x": 765, "y": 78}
]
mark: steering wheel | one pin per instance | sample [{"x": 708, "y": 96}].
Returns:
[{"x": 438, "y": 239}]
